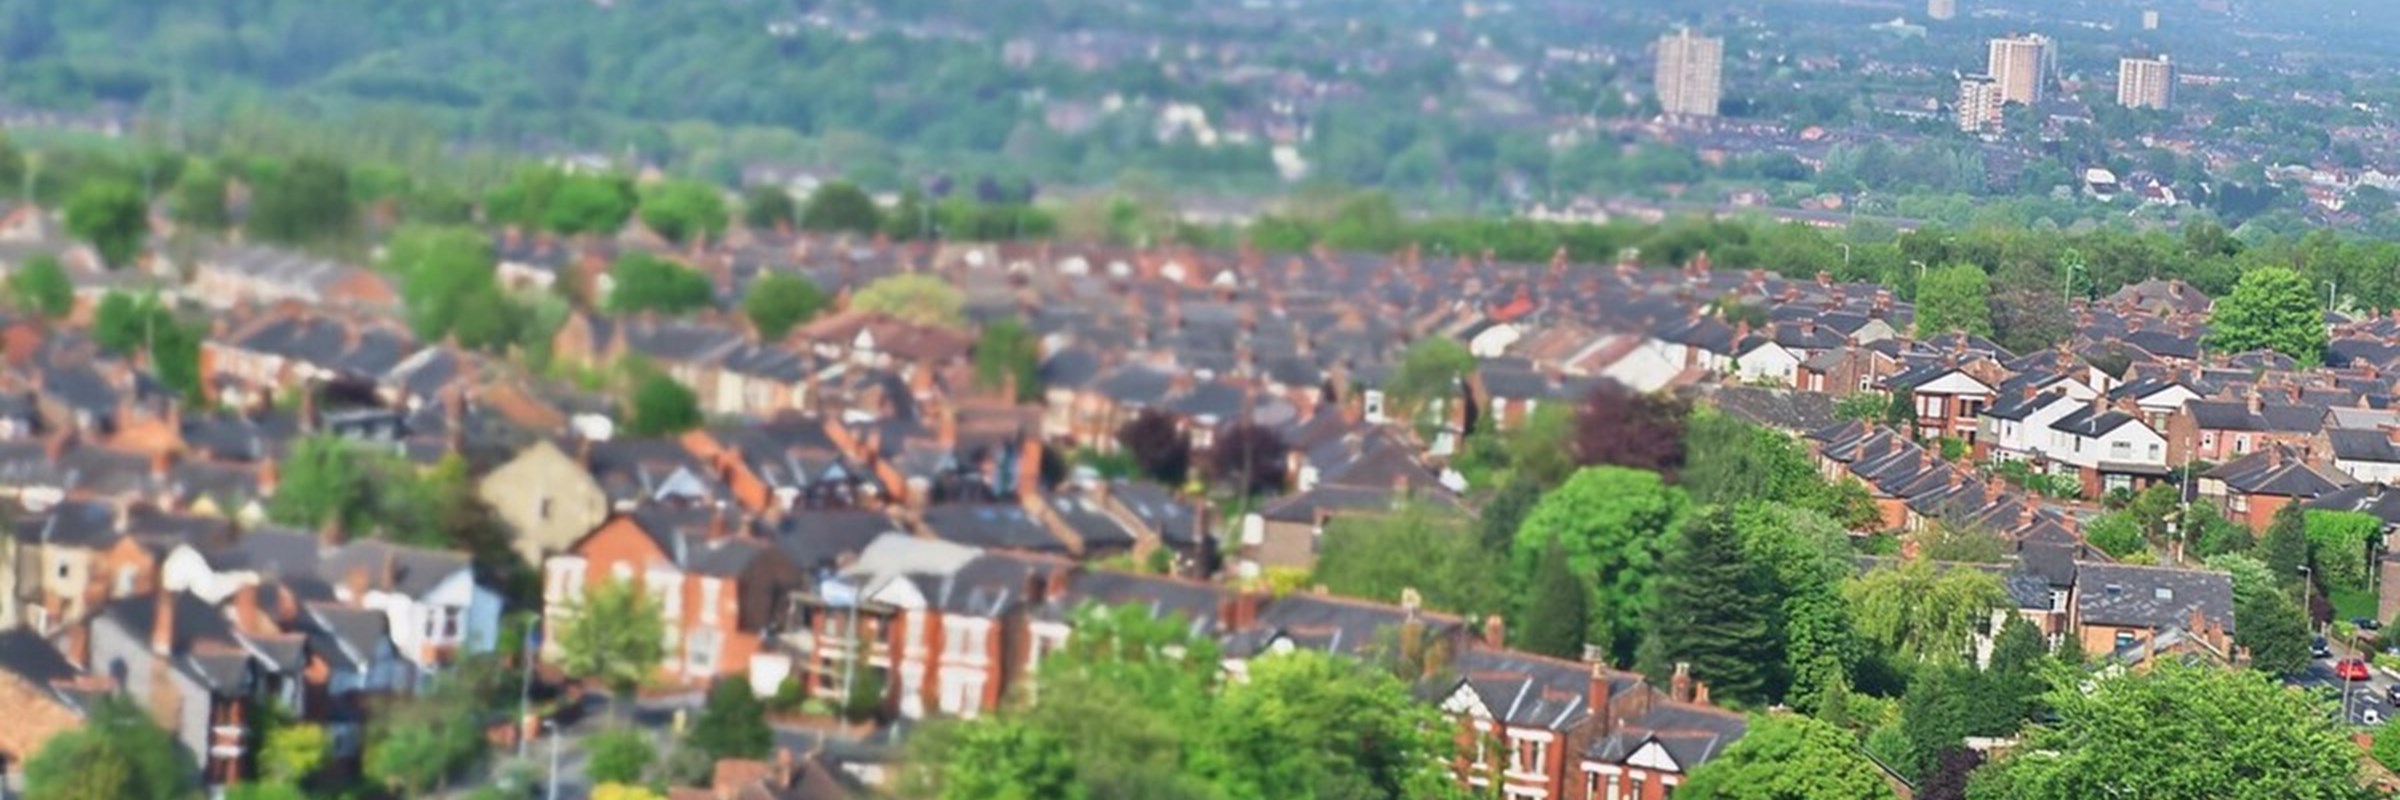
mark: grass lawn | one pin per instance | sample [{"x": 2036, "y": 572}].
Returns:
[{"x": 2350, "y": 604}]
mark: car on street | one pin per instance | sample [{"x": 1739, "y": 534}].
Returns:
[
  {"x": 2320, "y": 648},
  {"x": 2351, "y": 669},
  {"x": 2391, "y": 694}
]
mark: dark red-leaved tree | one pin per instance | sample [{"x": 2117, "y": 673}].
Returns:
[
  {"x": 1247, "y": 457},
  {"x": 1157, "y": 445},
  {"x": 1948, "y": 778},
  {"x": 1617, "y": 427}
]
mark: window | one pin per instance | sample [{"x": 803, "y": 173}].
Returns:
[
  {"x": 1638, "y": 783},
  {"x": 541, "y": 508},
  {"x": 2208, "y": 439},
  {"x": 2241, "y": 443},
  {"x": 2120, "y": 450},
  {"x": 700, "y": 653},
  {"x": 710, "y": 591},
  {"x": 2153, "y": 451}
]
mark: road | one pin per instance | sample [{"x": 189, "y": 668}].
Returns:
[{"x": 2373, "y": 694}]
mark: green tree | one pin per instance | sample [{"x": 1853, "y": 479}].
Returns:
[
  {"x": 1496, "y": 525},
  {"x": 589, "y": 204},
  {"x": 1955, "y": 298},
  {"x": 914, "y": 297},
  {"x": 769, "y": 208},
  {"x": 662, "y": 407},
  {"x": 443, "y": 272},
  {"x": 1945, "y": 704},
  {"x": 325, "y": 481},
  {"x": 2285, "y": 548},
  {"x": 1554, "y": 615},
  {"x": 415, "y": 745},
  {"x": 307, "y": 200},
  {"x": 620, "y": 754},
  {"x": 118, "y": 754},
  {"x": 1418, "y": 546},
  {"x": 1803, "y": 558},
  {"x": 683, "y": 210},
  {"x": 1922, "y": 613},
  {"x": 292, "y": 752},
  {"x": 839, "y": 206},
  {"x": 1429, "y": 370},
  {"x": 1008, "y": 760},
  {"x": 1311, "y": 724},
  {"x": 1788, "y": 757},
  {"x": 1728, "y": 461},
  {"x": 2338, "y": 546},
  {"x": 780, "y": 301},
  {"x": 1537, "y": 448},
  {"x": 733, "y": 724},
  {"x": 524, "y": 201},
  {"x": 198, "y": 197},
  {"x": 2117, "y": 534},
  {"x": 110, "y": 216},
  {"x": 1963, "y": 542},
  {"x": 644, "y": 282},
  {"x": 614, "y": 636},
  {"x": 1712, "y": 612},
  {"x": 2266, "y": 620},
  {"x": 1613, "y": 524},
  {"x": 2272, "y": 308},
  {"x": 1007, "y": 356},
  {"x": 2178, "y": 732},
  {"x": 41, "y": 288}
]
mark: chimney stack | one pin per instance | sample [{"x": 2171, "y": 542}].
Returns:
[
  {"x": 1495, "y": 631},
  {"x": 1597, "y": 696},
  {"x": 162, "y": 625},
  {"x": 1680, "y": 687}
]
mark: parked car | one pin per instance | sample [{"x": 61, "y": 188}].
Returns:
[
  {"x": 2351, "y": 669},
  {"x": 2320, "y": 648},
  {"x": 2366, "y": 623},
  {"x": 2392, "y": 694}
]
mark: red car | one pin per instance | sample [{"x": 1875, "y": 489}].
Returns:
[{"x": 2351, "y": 669}]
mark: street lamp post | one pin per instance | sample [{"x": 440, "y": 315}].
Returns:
[{"x": 552, "y": 727}]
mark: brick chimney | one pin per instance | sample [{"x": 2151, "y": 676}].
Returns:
[
  {"x": 1597, "y": 696},
  {"x": 162, "y": 625},
  {"x": 1679, "y": 688},
  {"x": 1495, "y": 631}
]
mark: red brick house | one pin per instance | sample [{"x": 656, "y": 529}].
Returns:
[{"x": 721, "y": 586}]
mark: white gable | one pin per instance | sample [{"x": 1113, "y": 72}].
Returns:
[
  {"x": 1466, "y": 701},
  {"x": 2172, "y": 397},
  {"x": 1954, "y": 382},
  {"x": 1653, "y": 756}
]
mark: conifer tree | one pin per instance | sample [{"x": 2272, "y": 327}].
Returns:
[
  {"x": 1712, "y": 613},
  {"x": 1557, "y": 610}
]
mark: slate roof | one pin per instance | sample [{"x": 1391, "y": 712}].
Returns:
[
  {"x": 2277, "y": 471},
  {"x": 2154, "y": 597},
  {"x": 27, "y": 655},
  {"x": 1337, "y": 625},
  {"x": 2363, "y": 445},
  {"x": 1780, "y": 409},
  {"x": 2370, "y": 498},
  {"x": 821, "y": 538},
  {"x": 997, "y": 526},
  {"x": 410, "y": 571}
]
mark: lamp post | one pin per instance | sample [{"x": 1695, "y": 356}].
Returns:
[{"x": 552, "y": 727}]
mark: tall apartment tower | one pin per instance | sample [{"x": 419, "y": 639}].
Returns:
[
  {"x": 1979, "y": 104},
  {"x": 2022, "y": 65},
  {"x": 1689, "y": 74},
  {"x": 2146, "y": 83},
  {"x": 1941, "y": 9}
]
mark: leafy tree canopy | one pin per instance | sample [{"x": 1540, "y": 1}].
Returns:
[
  {"x": 1788, "y": 757},
  {"x": 684, "y": 210},
  {"x": 1613, "y": 524},
  {"x": 2272, "y": 308}
]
